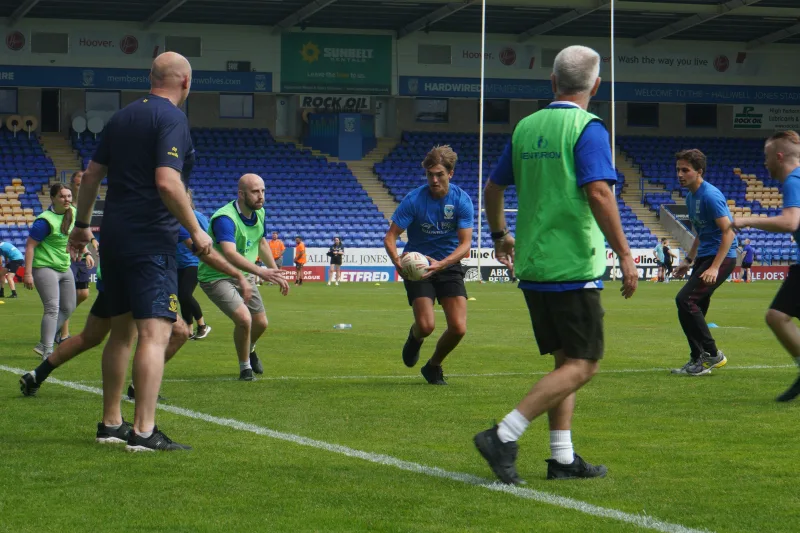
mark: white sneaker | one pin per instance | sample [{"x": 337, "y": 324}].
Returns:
[
  {"x": 337, "y": 283},
  {"x": 39, "y": 349},
  {"x": 329, "y": 284}
]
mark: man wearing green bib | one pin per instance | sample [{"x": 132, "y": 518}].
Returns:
[
  {"x": 559, "y": 159},
  {"x": 47, "y": 265},
  {"x": 238, "y": 232}
]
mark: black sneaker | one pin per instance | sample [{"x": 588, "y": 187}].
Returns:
[
  {"x": 255, "y": 362},
  {"x": 107, "y": 435},
  {"x": 501, "y": 456},
  {"x": 246, "y": 375},
  {"x": 157, "y": 442},
  {"x": 13, "y": 295},
  {"x": 132, "y": 394},
  {"x": 433, "y": 374},
  {"x": 578, "y": 469},
  {"x": 28, "y": 385},
  {"x": 790, "y": 394},
  {"x": 411, "y": 349}
]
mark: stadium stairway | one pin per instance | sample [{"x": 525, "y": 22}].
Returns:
[
  {"x": 363, "y": 172},
  {"x": 632, "y": 194},
  {"x": 65, "y": 159}
]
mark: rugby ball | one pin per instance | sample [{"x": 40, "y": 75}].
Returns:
[{"x": 413, "y": 265}]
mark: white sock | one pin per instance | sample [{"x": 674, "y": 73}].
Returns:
[
  {"x": 512, "y": 426},
  {"x": 33, "y": 373},
  {"x": 116, "y": 426},
  {"x": 245, "y": 366},
  {"x": 561, "y": 446},
  {"x": 146, "y": 434},
  {"x": 252, "y": 347}
]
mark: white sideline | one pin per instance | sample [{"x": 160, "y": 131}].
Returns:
[
  {"x": 416, "y": 376},
  {"x": 643, "y": 521}
]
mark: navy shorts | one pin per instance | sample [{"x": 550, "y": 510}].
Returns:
[
  {"x": 81, "y": 273},
  {"x": 144, "y": 285},
  {"x": 100, "y": 306}
]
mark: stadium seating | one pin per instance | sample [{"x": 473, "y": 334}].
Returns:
[
  {"x": 735, "y": 166},
  {"x": 401, "y": 172},
  {"x": 306, "y": 194},
  {"x": 24, "y": 169}
]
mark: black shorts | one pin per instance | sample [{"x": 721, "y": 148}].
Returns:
[
  {"x": 336, "y": 261},
  {"x": 100, "y": 306},
  {"x": 668, "y": 267},
  {"x": 144, "y": 285},
  {"x": 787, "y": 301},
  {"x": 746, "y": 265},
  {"x": 659, "y": 264},
  {"x": 14, "y": 266},
  {"x": 81, "y": 273},
  {"x": 571, "y": 321},
  {"x": 445, "y": 284}
]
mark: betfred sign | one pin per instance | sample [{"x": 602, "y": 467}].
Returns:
[
  {"x": 366, "y": 275},
  {"x": 328, "y": 102}
]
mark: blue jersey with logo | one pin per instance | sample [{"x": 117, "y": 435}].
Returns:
[
  {"x": 10, "y": 252},
  {"x": 185, "y": 257},
  {"x": 705, "y": 207},
  {"x": 145, "y": 135},
  {"x": 432, "y": 224},
  {"x": 791, "y": 198}
]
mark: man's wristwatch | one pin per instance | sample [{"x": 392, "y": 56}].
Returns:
[
  {"x": 689, "y": 260},
  {"x": 497, "y": 235},
  {"x": 81, "y": 225}
]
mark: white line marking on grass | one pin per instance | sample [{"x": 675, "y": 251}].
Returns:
[
  {"x": 414, "y": 376},
  {"x": 643, "y": 521}
]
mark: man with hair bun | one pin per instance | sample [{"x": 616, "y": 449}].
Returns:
[
  {"x": 439, "y": 217},
  {"x": 782, "y": 158}
]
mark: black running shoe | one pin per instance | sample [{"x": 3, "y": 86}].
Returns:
[
  {"x": 28, "y": 385},
  {"x": 157, "y": 442},
  {"x": 13, "y": 295},
  {"x": 107, "y": 435},
  {"x": 132, "y": 394},
  {"x": 411, "y": 349},
  {"x": 255, "y": 362},
  {"x": 501, "y": 456},
  {"x": 246, "y": 375},
  {"x": 578, "y": 469},
  {"x": 790, "y": 394},
  {"x": 433, "y": 374}
]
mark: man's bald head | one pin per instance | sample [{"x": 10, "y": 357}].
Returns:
[
  {"x": 171, "y": 77},
  {"x": 251, "y": 192}
]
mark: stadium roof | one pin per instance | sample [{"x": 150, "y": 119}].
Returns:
[{"x": 755, "y": 22}]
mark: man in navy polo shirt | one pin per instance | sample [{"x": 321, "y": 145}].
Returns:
[{"x": 143, "y": 150}]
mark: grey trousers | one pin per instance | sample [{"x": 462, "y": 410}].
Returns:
[{"x": 57, "y": 292}]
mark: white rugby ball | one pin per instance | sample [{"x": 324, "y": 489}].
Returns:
[{"x": 414, "y": 265}]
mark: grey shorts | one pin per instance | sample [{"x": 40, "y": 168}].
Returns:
[
  {"x": 224, "y": 293},
  {"x": 279, "y": 262}
]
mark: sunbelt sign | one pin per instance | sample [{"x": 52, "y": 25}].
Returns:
[{"x": 766, "y": 117}]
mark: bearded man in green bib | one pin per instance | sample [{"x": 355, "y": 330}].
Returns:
[
  {"x": 559, "y": 159},
  {"x": 239, "y": 234}
]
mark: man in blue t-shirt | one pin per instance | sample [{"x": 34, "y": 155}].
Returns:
[
  {"x": 782, "y": 154},
  {"x": 13, "y": 260},
  {"x": 438, "y": 218},
  {"x": 713, "y": 254},
  {"x": 658, "y": 253},
  {"x": 142, "y": 152},
  {"x": 747, "y": 261}
]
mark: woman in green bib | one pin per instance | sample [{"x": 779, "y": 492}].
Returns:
[{"x": 47, "y": 265}]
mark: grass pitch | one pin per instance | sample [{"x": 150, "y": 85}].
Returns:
[{"x": 713, "y": 453}]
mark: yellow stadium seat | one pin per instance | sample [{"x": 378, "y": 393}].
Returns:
[
  {"x": 9, "y": 189},
  {"x": 16, "y": 181},
  {"x": 29, "y": 218},
  {"x": 737, "y": 170},
  {"x": 3, "y": 218},
  {"x": 19, "y": 189},
  {"x": 16, "y": 211},
  {"x": 731, "y": 202},
  {"x": 27, "y": 211}
]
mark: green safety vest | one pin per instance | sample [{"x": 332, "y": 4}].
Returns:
[
  {"x": 247, "y": 239},
  {"x": 557, "y": 237},
  {"x": 52, "y": 251}
]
